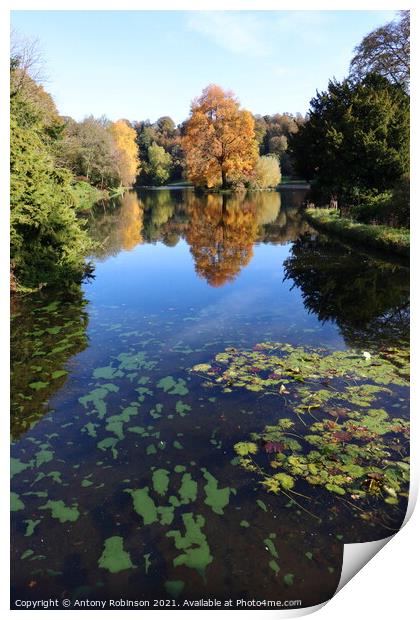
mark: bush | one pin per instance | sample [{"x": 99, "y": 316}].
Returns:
[
  {"x": 85, "y": 195},
  {"x": 391, "y": 207},
  {"x": 266, "y": 173}
]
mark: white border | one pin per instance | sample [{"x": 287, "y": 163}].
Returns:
[{"x": 387, "y": 586}]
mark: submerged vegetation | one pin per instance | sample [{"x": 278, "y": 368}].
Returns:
[
  {"x": 340, "y": 438},
  {"x": 126, "y": 466}
]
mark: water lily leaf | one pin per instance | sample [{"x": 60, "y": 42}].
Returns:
[{"x": 244, "y": 448}]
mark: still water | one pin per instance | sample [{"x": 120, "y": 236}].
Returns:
[{"x": 142, "y": 465}]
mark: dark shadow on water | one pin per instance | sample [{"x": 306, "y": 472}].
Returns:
[{"x": 368, "y": 298}]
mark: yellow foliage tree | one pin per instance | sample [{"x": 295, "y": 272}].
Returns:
[
  {"x": 126, "y": 151},
  {"x": 219, "y": 143}
]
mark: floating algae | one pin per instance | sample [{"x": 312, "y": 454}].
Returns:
[
  {"x": 113, "y": 557},
  {"x": 60, "y": 511},
  {"x": 196, "y": 552},
  {"x": 216, "y": 498},
  {"x": 160, "y": 480},
  {"x": 144, "y": 505}
]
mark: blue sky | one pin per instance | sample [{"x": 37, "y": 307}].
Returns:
[{"x": 146, "y": 64}]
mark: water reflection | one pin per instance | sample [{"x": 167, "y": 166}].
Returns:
[
  {"x": 368, "y": 298},
  {"x": 221, "y": 237},
  {"x": 134, "y": 450},
  {"x": 115, "y": 228},
  {"x": 45, "y": 334},
  {"x": 219, "y": 229}
]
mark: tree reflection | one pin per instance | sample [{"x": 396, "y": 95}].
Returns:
[
  {"x": 220, "y": 230},
  {"x": 367, "y": 297},
  {"x": 165, "y": 219},
  {"x": 117, "y": 227},
  {"x": 46, "y": 331},
  {"x": 221, "y": 234}
]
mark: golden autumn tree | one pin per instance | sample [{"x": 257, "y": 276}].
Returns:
[
  {"x": 126, "y": 151},
  {"x": 219, "y": 142}
]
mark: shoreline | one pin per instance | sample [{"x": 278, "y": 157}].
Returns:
[{"x": 376, "y": 236}]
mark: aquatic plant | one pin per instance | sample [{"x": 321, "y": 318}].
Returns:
[{"x": 338, "y": 441}]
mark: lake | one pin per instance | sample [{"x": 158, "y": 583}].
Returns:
[{"x": 214, "y": 413}]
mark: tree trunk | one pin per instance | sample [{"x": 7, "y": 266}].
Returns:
[{"x": 224, "y": 179}]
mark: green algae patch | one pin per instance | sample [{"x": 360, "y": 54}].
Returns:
[
  {"x": 166, "y": 514},
  {"x": 244, "y": 523},
  {"x": 60, "y": 511},
  {"x": 114, "y": 558},
  {"x": 107, "y": 372},
  {"x": 182, "y": 408},
  {"x": 109, "y": 443},
  {"x": 16, "y": 467},
  {"x": 156, "y": 411},
  {"x": 271, "y": 547},
  {"x": 174, "y": 588},
  {"x": 289, "y": 579},
  {"x": 196, "y": 552},
  {"x": 38, "y": 385},
  {"x": 86, "y": 483},
  {"x": 274, "y": 566},
  {"x": 216, "y": 498},
  {"x": 43, "y": 456},
  {"x": 135, "y": 361},
  {"x": 188, "y": 489},
  {"x": 97, "y": 398},
  {"x": 27, "y": 554},
  {"x": 115, "y": 423},
  {"x": 15, "y": 502},
  {"x": 262, "y": 505},
  {"x": 90, "y": 429},
  {"x": 31, "y": 525},
  {"x": 144, "y": 505},
  {"x": 171, "y": 386},
  {"x": 160, "y": 479}
]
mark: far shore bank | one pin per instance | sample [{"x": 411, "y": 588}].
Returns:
[{"x": 379, "y": 237}]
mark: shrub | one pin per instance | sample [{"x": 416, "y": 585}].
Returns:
[{"x": 266, "y": 173}]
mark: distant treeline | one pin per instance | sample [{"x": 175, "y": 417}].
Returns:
[{"x": 164, "y": 160}]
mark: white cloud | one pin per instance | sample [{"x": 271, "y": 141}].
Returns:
[{"x": 239, "y": 33}]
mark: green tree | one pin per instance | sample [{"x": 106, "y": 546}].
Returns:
[
  {"x": 88, "y": 150},
  {"x": 386, "y": 51},
  {"x": 48, "y": 243},
  {"x": 159, "y": 166},
  {"x": 356, "y": 138}
]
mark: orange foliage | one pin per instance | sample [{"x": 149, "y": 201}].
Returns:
[{"x": 219, "y": 144}]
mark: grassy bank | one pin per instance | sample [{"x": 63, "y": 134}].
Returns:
[{"x": 385, "y": 238}]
